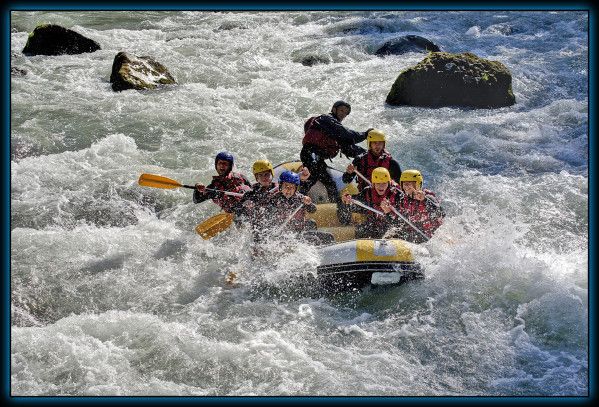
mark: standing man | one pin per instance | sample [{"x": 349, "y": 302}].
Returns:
[
  {"x": 324, "y": 137},
  {"x": 226, "y": 180}
]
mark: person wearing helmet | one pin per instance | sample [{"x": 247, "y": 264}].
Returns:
[
  {"x": 324, "y": 138},
  {"x": 288, "y": 199},
  {"x": 376, "y": 156},
  {"x": 286, "y": 202},
  {"x": 419, "y": 206},
  {"x": 256, "y": 203},
  {"x": 226, "y": 180},
  {"x": 380, "y": 196}
]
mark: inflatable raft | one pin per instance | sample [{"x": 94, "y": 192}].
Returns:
[{"x": 352, "y": 263}]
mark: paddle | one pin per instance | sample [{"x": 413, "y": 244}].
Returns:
[
  {"x": 367, "y": 207},
  {"x": 396, "y": 212},
  {"x": 363, "y": 177},
  {"x": 410, "y": 223},
  {"x": 158, "y": 181},
  {"x": 214, "y": 225},
  {"x": 356, "y": 171},
  {"x": 289, "y": 218}
]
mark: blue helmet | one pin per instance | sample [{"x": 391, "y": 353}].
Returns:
[
  {"x": 289, "y": 176},
  {"x": 225, "y": 156}
]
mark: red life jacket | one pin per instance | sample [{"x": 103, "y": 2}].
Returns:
[
  {"x": 313, "y": 135},
  {"x": 368, "y": 162},
  {"x": 259, "y": 214},
  {"x": 417, "y": 213},
  {"x": 232, "y": 182},
  {"x": 284, "y": 207},
  {"x": 373, "y": 199}
]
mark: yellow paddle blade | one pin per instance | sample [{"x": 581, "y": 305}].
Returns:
[
  {"x": 214, "y": 225},
  {"x": 157, "y": 181}
]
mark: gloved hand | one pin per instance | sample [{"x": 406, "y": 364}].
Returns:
[{"x": 352, "y": 150}]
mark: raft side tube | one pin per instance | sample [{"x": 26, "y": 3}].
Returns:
[{"x": 357, "y": 263}]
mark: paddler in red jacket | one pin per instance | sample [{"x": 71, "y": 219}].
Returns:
[
  {"x": 290, "y": 208},
  {"x": 376, "y": 156},
  {"x": 226, "y": 180},
  {"x": 380, "y": 197},
  {"x": 257, "y": 203},
  {"x": 420, "y": 206}
]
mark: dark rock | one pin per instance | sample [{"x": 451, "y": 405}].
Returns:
[
  {"x": 50, "y": 39},
  {"x": 444, "y": 79},
  {"x": 408, "y": 43},
  {"x": 310, "y": 60},
  {"x": 231, "y": 25},
  {"x": 14, "y": 71},
  {"x": 132, "y": 72}
]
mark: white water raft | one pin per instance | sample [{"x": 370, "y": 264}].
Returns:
[{"x": 351, "y": 263}]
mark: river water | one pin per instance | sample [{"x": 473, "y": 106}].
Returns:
[{"x": 112, "y": 292}]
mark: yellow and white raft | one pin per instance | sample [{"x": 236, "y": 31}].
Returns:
[{"x": 352, "y": 263}]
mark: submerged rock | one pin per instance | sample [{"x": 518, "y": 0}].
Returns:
[
  {"x": 444, "y": 79},
  {"x": 14, "y": 71},
  {"x": 408, "y": 43},
  {"x": 231, "y": 25},
  {"x": 310, "y": 60},
  {"x": 132, "y": 72},
  {"x": 51, "y": 39}
]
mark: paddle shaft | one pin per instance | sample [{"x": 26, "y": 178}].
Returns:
[
  {"x": 356, "y": 171},
  {"x": 410, "y": 223},
  {"x": 215, "y": 190},
  {"x": 290, "y": 217},
  {"x": 396, "y": 212},
  {"x": 363, "y": 177},
  {"x": 367, "y": 207},
  {"x": 222, "y": 192}
]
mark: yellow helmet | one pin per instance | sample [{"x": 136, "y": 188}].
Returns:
[
  {"x": 261, "y": 166},
  {"x": 412, "y": 175},
  {"x": 380, "y": 175},
  {"x": 375, "y": 135}
]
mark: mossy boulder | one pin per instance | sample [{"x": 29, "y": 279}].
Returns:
[
  {"x": 51, "y": 39},
  {"x": 407, "y": 43},
  {"x": 444, "y": 79},
  {"x": 133, "y": 72}
]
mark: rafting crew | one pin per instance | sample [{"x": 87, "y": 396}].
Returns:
[
  {"x": 324, "y": 137},
  {"x": 226, "y": 180},
  {"x": 376, "y": 156},
  {"x": 394, "y": 202},
  {"x": 421, "y": 208}
]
